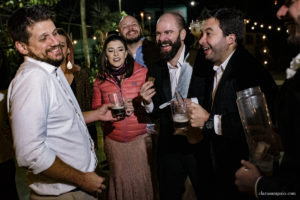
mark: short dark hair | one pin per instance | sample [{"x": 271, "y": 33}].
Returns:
[
  {"x": 231, "y": 22},
  {"x": 25, "y": 17},
  {"x": 104, "y": 71}
]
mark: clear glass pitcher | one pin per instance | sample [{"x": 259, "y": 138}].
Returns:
[{"x": 255, "y": 116}]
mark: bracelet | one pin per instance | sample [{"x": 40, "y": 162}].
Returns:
[{"x": 255, "y": 186}]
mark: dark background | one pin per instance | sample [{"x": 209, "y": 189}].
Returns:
[{"x": 278, "y": 55}]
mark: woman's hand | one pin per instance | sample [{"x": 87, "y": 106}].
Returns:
[
  {"x": 147, "y": 92},
  {"x": 129, "y": 108}
]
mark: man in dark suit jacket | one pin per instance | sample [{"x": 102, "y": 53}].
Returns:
[
  {"x": 284, "y": 183},
  {"x": 233, "y": 69},
  {"x": 177, "y": 158}
]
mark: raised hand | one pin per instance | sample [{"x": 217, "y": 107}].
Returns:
[
  {"x": 147, "y": 92},
  {"x": 129, "y": 108}
]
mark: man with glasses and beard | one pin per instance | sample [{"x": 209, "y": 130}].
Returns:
[
  {"x": 142, "y": 50},
  {"x": 284, "y": 183},
  {"x": 176, "y": 156},
  {"x": 49, "y": 131}
]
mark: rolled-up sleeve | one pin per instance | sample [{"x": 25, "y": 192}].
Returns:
[{"x": 28, "y": 105}]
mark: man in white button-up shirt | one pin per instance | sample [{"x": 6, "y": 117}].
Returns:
[{"x": 49, "y": 130}]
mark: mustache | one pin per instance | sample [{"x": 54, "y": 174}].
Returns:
[
  {"x": 135, "y": 31},
  {"x": 160, "y": 43},
  {"x": 54, "y": 47}
]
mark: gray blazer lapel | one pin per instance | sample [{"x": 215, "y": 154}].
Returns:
[{"x": 184, "y": 79}]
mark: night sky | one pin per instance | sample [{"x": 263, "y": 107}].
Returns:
[{"x": 251, "y": 8}]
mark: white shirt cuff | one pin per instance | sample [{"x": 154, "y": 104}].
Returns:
[
  {"x": 195, "y": 100},
  {"x": 149, "y": 108},
  {"x": 218, "y": 124}
]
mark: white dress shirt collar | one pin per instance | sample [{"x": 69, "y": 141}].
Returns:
[
  {"x": 219, "y": 73},
  {"x": 48, "y": 67},
  {"x": 224, "y": 64},
  {"x": 180, "y": 60},
  {"x": 175, "y": 71}
]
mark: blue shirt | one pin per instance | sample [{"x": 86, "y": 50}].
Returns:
[{"x": 139, "y": 56}]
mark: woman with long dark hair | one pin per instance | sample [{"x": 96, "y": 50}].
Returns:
[
  {"x": 78, "y": 78},
  {"x": 126, "y": 141}
]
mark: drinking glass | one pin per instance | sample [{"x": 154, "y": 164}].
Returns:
[
  {"x": 179, "y": 114},
  {"x": 196, "y": 28},
  {"x": 118, "y": 110},
  {"x": 256, "y": 120}
]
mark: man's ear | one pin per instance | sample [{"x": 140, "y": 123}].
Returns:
[
  {"x": 22, "y": 47},
  {"x": 231, "y": 39},
  {"x": 182, "y": 34}
]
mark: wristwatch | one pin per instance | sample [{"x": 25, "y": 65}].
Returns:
[{"x": 209, "y": 124}]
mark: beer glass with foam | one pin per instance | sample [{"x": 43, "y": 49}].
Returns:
[{"x": 179, "y": 114}]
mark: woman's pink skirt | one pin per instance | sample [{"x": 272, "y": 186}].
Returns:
[{"x": 130, "y": 171}]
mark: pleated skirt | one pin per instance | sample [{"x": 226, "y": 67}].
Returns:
[{"x": 130, "y": 168}]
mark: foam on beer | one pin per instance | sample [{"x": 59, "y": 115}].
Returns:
[
  {"x": 181, "y": 118},
  {"x": 117, "y": 107}
]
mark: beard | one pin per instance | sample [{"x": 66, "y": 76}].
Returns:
[
  {"x": 294, "y": 40},
  {"x": 167, "y": 56},
  {"x": 294, "y": 28},
  {"x": 54, "y": 62},
  {"x": 132, "y": 40}
]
